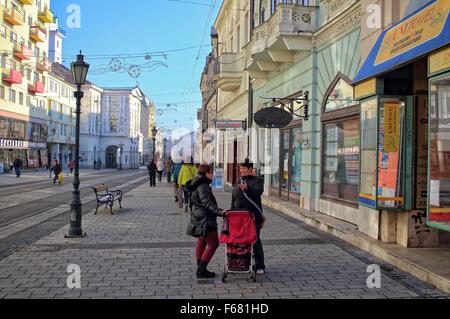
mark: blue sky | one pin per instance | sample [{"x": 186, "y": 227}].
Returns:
[{"x": 118, "y": 27}]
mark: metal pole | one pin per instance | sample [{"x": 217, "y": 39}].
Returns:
[{"x": 75, "y": 230}]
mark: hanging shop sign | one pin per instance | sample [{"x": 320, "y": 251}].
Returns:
[
  {"x": 439, "y": 61},
  {"x": 365, "y": 89},
  {"x": 231, "y": 125},
  {"x": 418, "y": 34},
  {"x": 273, "y": 117}
]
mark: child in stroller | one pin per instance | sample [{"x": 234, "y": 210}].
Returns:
[{"x": 239, "y": 235}]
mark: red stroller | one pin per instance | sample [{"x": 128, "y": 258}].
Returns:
[{"x": 239, "y": 234}]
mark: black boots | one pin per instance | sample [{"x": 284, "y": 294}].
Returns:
[{"x": 202, "y": 272}]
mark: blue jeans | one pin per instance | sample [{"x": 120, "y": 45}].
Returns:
[
  {"x": 258, "y": 251},
  {"x": 17, "y": 171},
  {"x": 55, "y": 179}
]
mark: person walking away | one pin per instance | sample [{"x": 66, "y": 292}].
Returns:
[
  {"x": 18, "y": 166},
  {"x": 160, "y": 167},
  {"x": 70, "y": 166},
  {"x": 247, "y": 195},
  {"x": 151, "y": 167},
  {"x": 175, "y": 172},
  {"x": 57, "y": 169},
  {"x": 203, "y": 222},
  {"x": 95, "y": 164},
  {"x": 168, "y": 170},
  {"x": 187, "y": 173}
]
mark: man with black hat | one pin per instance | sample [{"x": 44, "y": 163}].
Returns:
[{"x": 247, "y": 195}]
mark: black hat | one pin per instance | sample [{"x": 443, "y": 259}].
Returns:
[{"x": 247, "y": 163}]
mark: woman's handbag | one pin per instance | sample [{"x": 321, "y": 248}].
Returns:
[{"x": 196, "y": 231}]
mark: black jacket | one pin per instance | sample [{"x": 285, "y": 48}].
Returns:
[
  {"x": 254, "y": 192},
  {"x": 57, "y": 169},
  {"x": 152, "y": 169},
  {"x": 205, "y": 211}
]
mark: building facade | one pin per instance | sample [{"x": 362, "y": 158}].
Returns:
[
  {"x": 121, "y": 136},
  {"x": 24, "y": 78},
  {"x": 232, "y": 82},
  {"x": 338, "y": 159},
  {"x": 61, "y": 115}
]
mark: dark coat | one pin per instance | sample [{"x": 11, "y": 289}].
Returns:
[
  {"x": 205, "y": 211},
  {"x": 152, "y": 169},
  {"x": 254, "y": 192},
  {"x": 57, "y": 169}
]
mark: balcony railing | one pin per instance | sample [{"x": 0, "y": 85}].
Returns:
[
  {"x": 228, "y": 71},
  {"x": 36, "y": 87},
  {"x": 14, "y": 16},
  {"x": 43, "y": 65},
  {"x": 38, "y": 33},
  {"x": 11, "y": 76},
  {"x": 288, "y": 31},
  {"x": 46, "y": 15},
  {"x": 22, "y": 52}
]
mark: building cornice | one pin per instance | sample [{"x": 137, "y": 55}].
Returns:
[{"x": 340, "y": 24}]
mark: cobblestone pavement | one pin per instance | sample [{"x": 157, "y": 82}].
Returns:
[{"x": 143, "y": 252}]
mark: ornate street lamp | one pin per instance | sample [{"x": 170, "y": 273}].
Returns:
[
  {"x": 154, "y": 133},
  {"x": 79, "y": 73}
]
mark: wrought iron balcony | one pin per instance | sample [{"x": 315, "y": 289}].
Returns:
[
  {"x": 11, "y": 76},
  {"x": 14, "y": 16},
  {"x": 36, "y": 87}
]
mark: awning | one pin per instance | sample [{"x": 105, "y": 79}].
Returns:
[{"x": 418, "y": 34}]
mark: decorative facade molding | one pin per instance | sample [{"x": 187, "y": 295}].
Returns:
[{"x": 339, "y": 25}]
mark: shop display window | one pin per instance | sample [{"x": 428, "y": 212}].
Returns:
[
  {"x": 383, "y": 153},
  {"x": 439, "y": 153},
  {"x": 341, "y": 159},
  {"x": 340, "y": 143}
]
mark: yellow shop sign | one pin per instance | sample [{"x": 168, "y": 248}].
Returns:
[
  {"x": 365, "y": 89},
  {"x": 425, "y": 25},
  {"x": 440, "y": 61}
]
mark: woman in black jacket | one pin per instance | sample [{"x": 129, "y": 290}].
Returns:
[{"x": 203, "y": 223}]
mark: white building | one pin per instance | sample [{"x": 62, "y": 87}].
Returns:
[
  {"x": 121, "y": 136},
  {"x": 90, "y": 127},
  {"x": 61, "y": 116}
]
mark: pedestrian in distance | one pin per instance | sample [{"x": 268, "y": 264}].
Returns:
[
  {"x": 18, "y": 166},
  {"x": 187, "y": 173},
  {"x": 168, "y": 170},
  {"x": 247, "y": 195},
  {"x": 203, "y": 222},
  {"x": 160, "y": 167},
  {"x": 71, "y": 166},
  {"x": 151, "y": 167},
  {"x": 175, "y": 172},
  {"x": 57, "y": 171}
]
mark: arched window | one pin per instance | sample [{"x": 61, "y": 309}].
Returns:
[{"x": 341, "y": 142}]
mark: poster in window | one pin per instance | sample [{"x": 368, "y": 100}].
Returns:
[{"x": 391, "y": 126}]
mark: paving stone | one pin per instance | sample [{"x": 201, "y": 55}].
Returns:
[{"x": 143, "y": 252}]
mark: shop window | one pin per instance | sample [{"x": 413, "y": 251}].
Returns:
[
  {"x": 439, "y": 165},
  {"x": 368, "y": 166},
  {"x": 341, "y": 142},
  {"x": 383, "y": 153}
]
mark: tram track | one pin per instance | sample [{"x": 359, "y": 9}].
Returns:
[{"x": 21, "y": 211}]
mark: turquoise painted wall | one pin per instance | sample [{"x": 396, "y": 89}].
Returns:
[{"x": 314, "y": 73}]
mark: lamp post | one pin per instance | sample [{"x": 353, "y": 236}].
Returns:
[
  {"x": 154, "y": 132},
  {"x": 79, "y": 73},
  {"x": 120, "y": 155}
]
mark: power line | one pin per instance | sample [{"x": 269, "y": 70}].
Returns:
[
  {"x": 208, "y": 19},
  {"x": 208, "y": 5}
]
